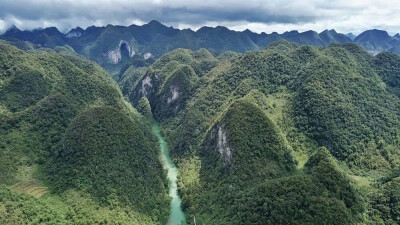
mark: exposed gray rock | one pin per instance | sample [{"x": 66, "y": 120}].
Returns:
[
  {"x": 174, "y": 94},
  {"x": 222, "y": 146},
  {"x": 146, "y": 83},
  {"x": 147, "y": 55},
  {"x": 114, "y": 56},
  {"x": 374, "y": 53},
  {"x": 73, "y": 34}
]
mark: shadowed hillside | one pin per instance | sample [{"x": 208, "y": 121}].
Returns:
[
  {"x": 71, "y": 149},
  {"x": 287, "y": 135}
]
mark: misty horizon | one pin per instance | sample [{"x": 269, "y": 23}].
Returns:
[
  {"x": 66, "y": 31},
  {"x": 255, "y": 15}
]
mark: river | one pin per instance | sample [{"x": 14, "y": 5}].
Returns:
[{"x": 176, "y": 216}]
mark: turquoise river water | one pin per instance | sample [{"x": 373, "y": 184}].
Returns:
[{"x": 176, "y": 216}]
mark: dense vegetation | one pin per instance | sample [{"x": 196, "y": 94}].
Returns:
[
  {"x": 388, "y": 66},
  {"x": 319, "y": 194},
  {"x": 256, "y": 150},
  {"x": 287, "y": 135},
  {"x": 170, "y": 81},
  {"x": 70, "y": 208},
  {"x": 159, "y": 39},
  {"x": 116, "y": 48},
  {"x": 125, "y": 160},
  {"x": 347, "y": 113},
  {"x": 68, "y": 139},
  {"x": 385, "y": 202}
]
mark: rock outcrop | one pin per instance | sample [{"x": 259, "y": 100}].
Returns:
[
  {"x": 114, "y": 56},
  {"x": 147, "y": 55}
]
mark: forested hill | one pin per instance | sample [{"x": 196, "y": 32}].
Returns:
[
  {"x": 117, "y": 44},
  {"x": 72, "y": 151},
  {"x": 287, "y": 135}
]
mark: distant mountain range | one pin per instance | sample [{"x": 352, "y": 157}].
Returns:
[
  {"x": 107, "y": 45},
  {"x": 290, "y": 134}
]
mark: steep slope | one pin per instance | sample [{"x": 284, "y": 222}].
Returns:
[
  {"x": 351, "y": 36},
  {"x": 23, "y": 45},
  {"x": 106, "y": 139},
  {"x": 243, "y": 147},
  {"x": 320, "y": 195},
  {"x": 75, "y": 33},
  {"x": 287, "y": 135},
  {"x": 222, "y": 39},
  {"x": 396, "y": 48},
  {"x": 48, "y": 37},
  {"x": 66, "y": 133},
  {"x": 175, "y": 91},
  {"x": 245, "y": 143},
  {"x": 170, "y": 81},
  {"x": 341, "y": 109},
  {"x": 388, "y": 66},
  {"x": 375, "y": 40},
  {"x": 147, "y": 32},
  {"x": 117, "y": 47},
  {"x": 386, "y": 202},
  {"x": 109, "y": 45},
  {"x": 330, "y": 36},
  {"x": 305, "y": 38}
]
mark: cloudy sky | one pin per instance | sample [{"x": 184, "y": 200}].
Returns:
[{"x": 257, "y": 15}]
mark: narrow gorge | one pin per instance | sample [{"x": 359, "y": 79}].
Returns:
[{"x": 176, "y": 216}]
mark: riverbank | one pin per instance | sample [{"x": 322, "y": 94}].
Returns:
[{"x": 176, "y": 216}]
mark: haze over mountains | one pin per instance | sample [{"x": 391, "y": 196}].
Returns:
[
  {"x": 155, "y": 39},
  {"x": 286, "y": 135},
  {"x": 291, "y": 128}
]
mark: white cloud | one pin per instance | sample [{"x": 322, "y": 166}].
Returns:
[{"x": 258, "y": 15}]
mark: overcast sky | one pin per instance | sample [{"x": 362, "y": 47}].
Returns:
[{"x": 257, "y": 15}]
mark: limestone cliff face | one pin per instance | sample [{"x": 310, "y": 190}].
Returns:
[
  {"x": 114, "y": 56},
  {"x": 73, "y": 34},
  {"x": 246, "y": 143},
  {"x": 147, "y": 55},
  {"x": 219, "y": 134},
  {"x": 145, "y": 86},
  {"x": 174, "y": 94}
]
